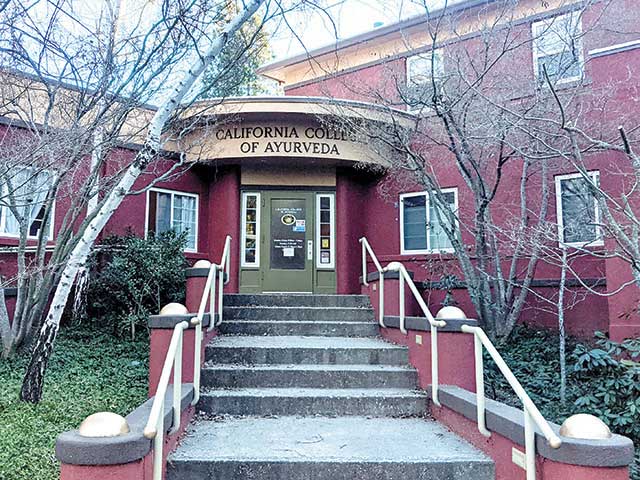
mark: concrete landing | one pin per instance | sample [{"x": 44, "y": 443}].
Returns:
[{"x": 337, "y": 448}]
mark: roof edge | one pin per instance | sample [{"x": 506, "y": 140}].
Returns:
[{"x": 369, "y": 35}]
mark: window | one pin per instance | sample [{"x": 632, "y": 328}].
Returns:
[
  {"x": 325, "y": 230},
  {"x": 26, "y": 190},
  {"x": 250, "y": 235},
  {"x": 577, "y": 210},
  {"x": 421, "y": 69},
  {"x": 169, "y": 210},
  {"x": 422, "y": 230},
  {"x": 556, "y": 44}
]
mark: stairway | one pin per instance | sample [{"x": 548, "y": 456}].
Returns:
[{"x": 302, "y": 387}]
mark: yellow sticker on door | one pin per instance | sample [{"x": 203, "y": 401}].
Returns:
[{"x": 288, "y": 219}]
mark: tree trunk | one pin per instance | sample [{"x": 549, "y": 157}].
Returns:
[
  {"x": 5, "y": 327},
  {"x": 561, "y": 332},
  {"x": 34, "y": 377},
  {"x": 31, "y": 390}
]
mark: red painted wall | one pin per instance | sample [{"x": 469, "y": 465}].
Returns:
[{"x": 610, "y": 97}]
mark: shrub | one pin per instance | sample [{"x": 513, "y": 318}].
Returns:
[
  {"x": 604, "y": 380},
  {"x": 613, "y": 377},
  {"x": 132, "y": 278}
]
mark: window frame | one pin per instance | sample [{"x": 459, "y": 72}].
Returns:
[
  {"x": 558, "y": 179},
  {"x": 4, "y": 211},
  {"x": 426, "y": 194},
  {"x": 332, "y": 238},
  {"x": 435, "y": 52},
  {"x": 243, "y": 229},
  {"x": 173, "y": 193},
  {"x": 539, "y": 28}
]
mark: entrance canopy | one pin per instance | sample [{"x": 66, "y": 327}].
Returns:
[{"x": 333, "y": 131}]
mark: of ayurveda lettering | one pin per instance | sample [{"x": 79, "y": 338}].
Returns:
[{"x": 286, "y": 139}]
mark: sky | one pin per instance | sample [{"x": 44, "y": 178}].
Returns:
[{"x": 351, "y": 17}]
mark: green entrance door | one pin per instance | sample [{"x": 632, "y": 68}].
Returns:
[{"x": 287, "y": 248}]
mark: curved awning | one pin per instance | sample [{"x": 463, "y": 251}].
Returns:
[{"x": 325, "y": 130}]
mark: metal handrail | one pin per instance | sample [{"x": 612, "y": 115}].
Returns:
[
  {"x": 404, "y": 278},
  {"x": 532, "y": 416},
  {"x": 155, "y": 424},
  {"x": 366, "y": 249},
  {"x": 531, "y": 413},
  {"x": 433, "y": 323},
  {"x": 173, "y": 361}
]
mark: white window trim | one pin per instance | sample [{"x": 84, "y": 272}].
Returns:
[
  {"x": 4, "y": 211},
  {"x": 437, "y": 52},
  {"x": 173, "y": 193},
  {"x": 544, "y": 24},
  {"x": 243, "y": 229},
  {"x": 425, "y": 193},
  {"x": 332, "y": 237},
  {"x": 599, "y": 242}
]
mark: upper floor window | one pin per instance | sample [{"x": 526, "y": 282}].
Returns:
[
  {"x": 177, "y": 211},
  {"x": 556, "y": 44},
  {"x": 578, "y": 212},
  {"x": 424, "y": 71},
  {"x": 24, "y": 192},
  {"x": 422, "y": 227}
]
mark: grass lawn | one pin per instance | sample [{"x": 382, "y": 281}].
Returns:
[{"x": 89, "y": 372}]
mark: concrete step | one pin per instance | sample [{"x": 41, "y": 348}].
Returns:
[
  {"x": 305, "y": 350},
  {"x": 379, "y": 402},
  {"x": 351, "y": 448},
  {"x": 303, "y": 314},
  {"x": 295, "y": 300},
  {"x": 308, "y": 376},
  {"x": 285, "y": 327}
]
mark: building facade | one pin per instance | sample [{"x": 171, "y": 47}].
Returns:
[{"x": 296, "y": 180}]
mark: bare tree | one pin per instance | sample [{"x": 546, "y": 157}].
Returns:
[
  {"x": 483, "y": 122},
  {"x": 80, "y": 95}
]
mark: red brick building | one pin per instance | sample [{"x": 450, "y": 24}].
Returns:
[{"x": 284, "y": 178}]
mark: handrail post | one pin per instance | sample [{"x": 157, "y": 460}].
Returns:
[
  {"x": 381, "y": 300},
  {"x": 197, "y": 358},
  {"x": 480, "y": 396},
  {"x": 529, "y": 445},
  {"x": 364, "y": 262},
  {"x": 401, "y": 301},
  {"x": 212, "y": 299},
  {"x": 220, "y": 295},
  {"x": 158, "y": 444},
  {"x": 177, "y": 386},
  {"x": 434, "y": 366}
]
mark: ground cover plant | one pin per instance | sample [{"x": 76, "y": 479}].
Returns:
[
  {"x": 603, "y": 379},
  {"x": 90, "y": 371}
]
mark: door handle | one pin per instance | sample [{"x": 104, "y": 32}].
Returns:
[{"x": 309, "y": 249}]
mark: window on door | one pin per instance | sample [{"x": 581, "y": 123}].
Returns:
[
  {"x": 171, "y": 210},
  {"x": 422, "y": 227},
  {"x": 325, "y": 230},
  {"x": 250, "y": 232}
]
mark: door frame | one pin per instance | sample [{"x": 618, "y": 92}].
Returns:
[{"x": 323, "y": 278}]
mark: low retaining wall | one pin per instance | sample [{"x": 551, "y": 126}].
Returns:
[
  {"x": 130, "y": 456},
  {"x": 576, "y": 459},
  {"x": 161, "y": 327},
  {"x": 126, "y": 457}
]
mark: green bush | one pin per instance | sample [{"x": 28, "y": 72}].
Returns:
[
  {"x": 603, "y": 379},
  {"x": 613, "y": 377},
  {"x": 132, "y": 277}
]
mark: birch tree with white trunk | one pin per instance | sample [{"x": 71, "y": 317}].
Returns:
[{"x": 33, "y": 380}]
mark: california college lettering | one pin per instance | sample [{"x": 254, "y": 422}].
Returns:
[{"x": 281, "y": 139}]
